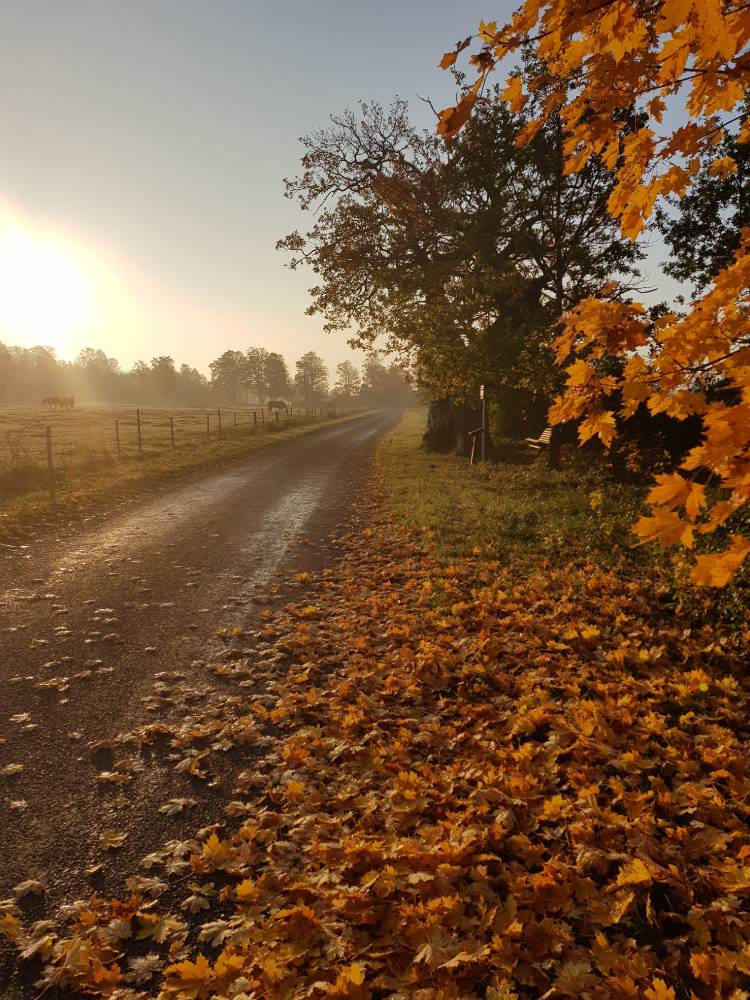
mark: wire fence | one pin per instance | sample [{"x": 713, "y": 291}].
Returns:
[{"x": 39, "y": 449}]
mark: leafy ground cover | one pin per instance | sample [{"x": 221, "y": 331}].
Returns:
[
  {"x": 528, "y": 517},
  {"x": 90, "y": 474},
  {"x": 458, "y": 780}
]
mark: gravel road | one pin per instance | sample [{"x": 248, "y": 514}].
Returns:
[{"x": 92, "y": 614}]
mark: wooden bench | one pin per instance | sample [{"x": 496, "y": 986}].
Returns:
[{"x": 541, "y": 442}]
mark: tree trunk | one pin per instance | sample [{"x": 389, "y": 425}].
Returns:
[
  {"x": 448, "y": 426},
  {"x": 439, "y": 435},
  {"x": 553, "y": 450}
]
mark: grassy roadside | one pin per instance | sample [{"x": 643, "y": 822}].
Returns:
[
  {"x": 84, "y": 491},
  {"x": 516, "y": 510},
  {"x": 523, "y": 515}
]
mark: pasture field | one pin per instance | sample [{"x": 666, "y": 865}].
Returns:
[
  {"x": 95, "y": 449},
  {"x": 87, "y": 436}
]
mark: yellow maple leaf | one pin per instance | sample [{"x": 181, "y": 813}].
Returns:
[
  {"x": 294, "y": 791},
  {"x": 247, "y": 891},
  {"x": 723, "y": 167},
  {"x": 634, "y": 872},
  {"x": 106, "y": 977},
  {"x": 665, "y": 527},
  {"x": 659, "y": 991},
  {"x": 670, "y": 492},
  {"x": 675, "y": 491},
  {"x": 513, "y": 94},
  {"x": 553, "y": 808},
  {"x": 189, "y": 980},
  {"x": 579, "y": 373},
  {"x": 350, "y": 976},
  {"x": 216, "y": 851},
  {"x": 356, "y": 973},
  {"x": 601, "y": 425},
  {"x": 717, "y": 569},
  {"x": 487, "y": 31},
  {"x": 10, "y": 926},
  {"x": 703, "y": 966},
  {"x": 228, "y": 966},
  {"x": 452, "y": 120}
]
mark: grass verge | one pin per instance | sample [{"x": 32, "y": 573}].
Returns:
[
  {"x": 83, "y": 490},
  {"x": 518, "y": 511}
]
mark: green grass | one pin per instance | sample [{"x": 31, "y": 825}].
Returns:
[
  {"x": 525, "y": 515},
  {"x": 87, "y": 471},
  {"x": 516, "y": 508}
]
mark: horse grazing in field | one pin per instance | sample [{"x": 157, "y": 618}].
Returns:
[
  {"x": 52, "y": 402},
  {"x": 277, "y": 404},
  {"x": 67, "y": 403}
]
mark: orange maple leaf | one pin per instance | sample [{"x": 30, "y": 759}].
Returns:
[
  {"x": 717, "y": 569},
  {"x": 659, "y": 991},
  {"x": 665, "y": 527}
]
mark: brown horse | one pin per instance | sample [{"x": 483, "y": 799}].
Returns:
[{"x": 52, "y": 401}]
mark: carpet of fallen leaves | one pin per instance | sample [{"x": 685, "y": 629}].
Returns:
[{"x": 459, "y": 783}]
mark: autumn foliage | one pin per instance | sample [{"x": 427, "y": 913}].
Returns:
[
  {"x": 613, "y": 69},
  {"x": 452, "y": 783}
]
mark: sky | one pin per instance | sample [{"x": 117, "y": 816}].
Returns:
[{"x": 144, "y": 145}]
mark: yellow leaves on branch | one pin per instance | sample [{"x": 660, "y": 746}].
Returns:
[
  {"x": 626, "y": 54},
  {"x": 674, "y": 491},
  {"x": 682, "y": 350},
  {"x": 452, "y": 120},
  {"x": 723, "y": 167},
  {"x": 666, "y": 527},
  {"x": 513, "y": 94},
  {"x": 601, "y": 425},
  {"x": 718, "y": 570}
]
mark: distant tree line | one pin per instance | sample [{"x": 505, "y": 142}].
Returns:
[{"x": 28, "y": 375}]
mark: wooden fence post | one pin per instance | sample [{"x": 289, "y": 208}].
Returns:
[
  {"x": 208, "y": 426},
  {"x": 117, "y": 439},
  {"x": 138, "y": 422},
  {"x": 219, "y": 421},
  {"x": 255, "y": 422},
  {"x": 277, "y": 417},
  {"x": 171, "y": 429},
  {"x": 50, "y": 469},
  {"x": 262, "y": 420},
  {"x": 235, "y": 420}
]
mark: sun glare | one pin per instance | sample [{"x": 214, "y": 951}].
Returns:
[{"x": 44, "y": 293}]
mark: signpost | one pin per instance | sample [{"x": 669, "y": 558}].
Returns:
[{"x": 484, "y": 423}]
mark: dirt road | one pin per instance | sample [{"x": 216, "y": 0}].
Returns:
[{"x": 91, "y": 618}]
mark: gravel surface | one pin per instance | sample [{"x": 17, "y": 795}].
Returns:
[{"x": 94, "y": 614}]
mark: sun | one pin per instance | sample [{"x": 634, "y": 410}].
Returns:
[{"x": 44, "y": 292}]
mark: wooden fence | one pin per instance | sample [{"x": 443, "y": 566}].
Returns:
[{"x": 136, "y": 435}]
